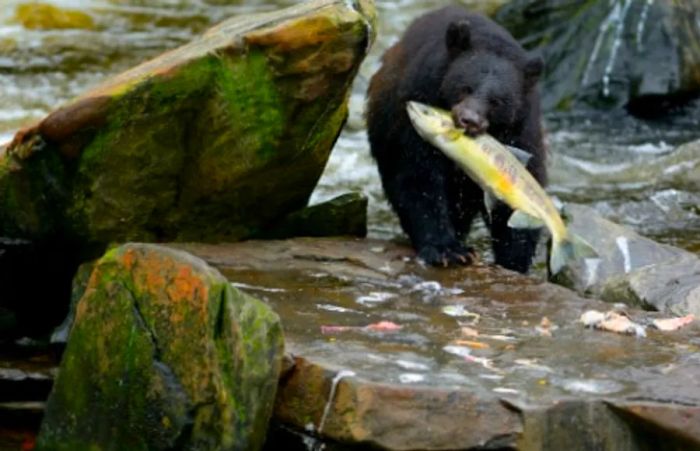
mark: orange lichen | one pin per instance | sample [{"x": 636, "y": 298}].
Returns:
[
  {"x": 186, "y": 286},
  {"x": 129, "y": 259},
  {"x": 154, "y": 280}
]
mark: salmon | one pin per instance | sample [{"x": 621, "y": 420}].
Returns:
[{"x": 498, "y": 171}]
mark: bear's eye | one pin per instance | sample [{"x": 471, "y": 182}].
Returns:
[{"x": 468, "y": 90}]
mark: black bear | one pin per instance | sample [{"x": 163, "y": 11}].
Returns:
[{"x": 468, "y": 64}]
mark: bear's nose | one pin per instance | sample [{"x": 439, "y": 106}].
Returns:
[{"x": 472, "y": 122}]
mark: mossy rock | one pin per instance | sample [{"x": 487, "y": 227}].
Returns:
[
  {"x": 212, "y": 141},
  {"x": 164, "y": 354}
]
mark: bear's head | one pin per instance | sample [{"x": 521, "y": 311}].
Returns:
[{"x": 486, "y": 87}]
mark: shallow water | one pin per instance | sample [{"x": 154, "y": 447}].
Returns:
[
  {"x": 595, "y": 160},
  {"x": 391, "y": 321}
]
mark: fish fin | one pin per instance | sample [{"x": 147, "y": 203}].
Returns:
[
  {"x": 489, "y": 202},
  {"x": 522, "y": 155},
  {"x": 521, "y": 220},
  {"x": 571, "y": 249},
  {"x": 563, "y": 211}
]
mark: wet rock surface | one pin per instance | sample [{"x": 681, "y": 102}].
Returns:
[
  {"x": 632, "y": 269},
  {"x": 164, "y": 354},
  {"x": 394, "y": 355},
  {"x": 639, "y": 54}
]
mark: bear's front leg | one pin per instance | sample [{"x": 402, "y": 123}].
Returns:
[
  {"x": 420, "y": 199},
  {"x": 512, "y": 248}
]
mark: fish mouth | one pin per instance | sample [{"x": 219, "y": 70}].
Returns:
[
  {"x": 418, "y": 109},
  {"x": 429, "y": 115}
]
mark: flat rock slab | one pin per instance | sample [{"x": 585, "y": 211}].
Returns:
[{"x": 434, "y": 383}]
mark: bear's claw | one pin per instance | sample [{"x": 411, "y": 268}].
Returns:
[{"x": 447, "y": 255}]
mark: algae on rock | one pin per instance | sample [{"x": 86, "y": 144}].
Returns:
[
  {"x": 164, "y": 354},
  {"x": 212, "y": 141}
]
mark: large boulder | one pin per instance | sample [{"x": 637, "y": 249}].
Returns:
[
  {"x": 213, "y": 140},
  {"x": 164, "y": 354},
  {"x": 603, "y": 53},
  {"x": 630, "y": 268},
  {"x": 216, "y": 140}
]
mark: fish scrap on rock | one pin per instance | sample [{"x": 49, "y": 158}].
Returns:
[{"x": 621, "y": 323}]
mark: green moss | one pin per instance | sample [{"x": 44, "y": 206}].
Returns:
[
  {"x": 213, "y": 120},
  {"x": 179, "y": 150},
  {"x": 127, "y": 175},
  {"x": 257, "y": 118},
  {"x": 108, "y": 341}
]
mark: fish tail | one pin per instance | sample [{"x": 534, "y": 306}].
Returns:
[{"x": 570, "y": 249}]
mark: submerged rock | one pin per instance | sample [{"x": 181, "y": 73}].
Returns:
[
  {"x": 632, "y": 269},
  {"x": 164, "y": 354},
  {"x": 44, "y": 16},
  {"x": 611, "y": 53},
  {"x": 392, "y": 355},
  {"x": 342, "y": 215},
  {"x": 211, "y": 141}
]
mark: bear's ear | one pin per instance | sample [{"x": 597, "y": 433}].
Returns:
[
  {"x": 533, "y": 68},
  {"x": 458, "y": 37}
]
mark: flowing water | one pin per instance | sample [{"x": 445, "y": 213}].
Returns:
[{"x": 614, "y": 163}]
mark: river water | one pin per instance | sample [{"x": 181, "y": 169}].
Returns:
[{"x": 606, "y": 161}]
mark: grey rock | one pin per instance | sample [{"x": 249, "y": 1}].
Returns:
[
  {"x": 601, "y": 53},
  {"x": 631, "y": 269}
]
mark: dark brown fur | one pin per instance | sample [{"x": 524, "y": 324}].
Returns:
[{"x": 465, "y": 63}]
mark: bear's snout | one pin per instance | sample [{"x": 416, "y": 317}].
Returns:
[{"x": 470, "y": 120}]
